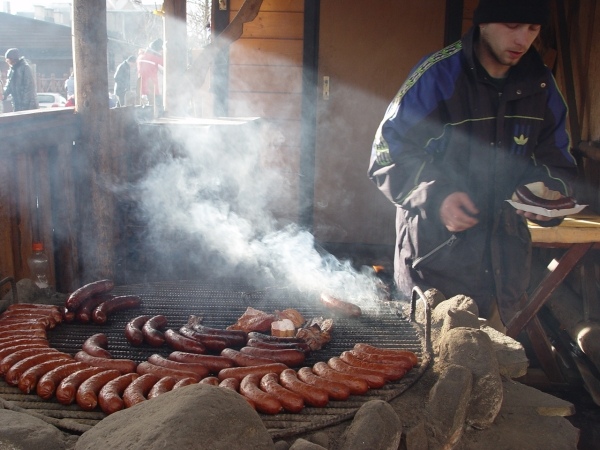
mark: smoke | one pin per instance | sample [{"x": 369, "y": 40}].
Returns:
[{"x": 210, "y": 211}]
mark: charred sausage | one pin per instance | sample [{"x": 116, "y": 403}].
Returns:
[
  {"x": 118, "y": 303},
  {"x": 274, "y": 339},
  {"x": 133, "y": 330},
  {"x": 74, "y": 300},
  {"x": 152, "y": 330},
  {"x": 183, "y": 343},
  {"x": 213, "y": 363},
  {"x": 211, "y": 342},
  {"x": 96, "y": 345},
  {"x": 303, "y": 347},
  {"x": 84, "y": 312},
  {"x": 289, "y": 357},
  {"x": 527, "y": 197},
  {"x": 244, "y": 360},
  {"x": 197, "y": 368}
]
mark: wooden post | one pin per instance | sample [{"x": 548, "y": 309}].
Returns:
[
  {"x": 96, "y": 203},
  {"x": 177, "y": 89}
]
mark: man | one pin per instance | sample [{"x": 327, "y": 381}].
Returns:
[
  {"x": 472, "y": 123},
  {"x": 149, "y": 66},
  {"x": 20, "y": 84},
  {"x": 123, "y": 79}
]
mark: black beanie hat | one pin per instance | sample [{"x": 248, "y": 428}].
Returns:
[
  {"x": 12, "y": 53},
  {"x": 512, "y": 11}
]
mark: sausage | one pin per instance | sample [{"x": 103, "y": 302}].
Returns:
[
  {"x": 184, "y": 382},
  {"x": 138, "y": 389},
  {"x": 312, "y": 395},
  {"x": 183, "y": 343},
  {"x": 290, "y": 400},
  {"x": 527, "y": 197},
  {"x": 84, "y": 312},
  {"x": 230, "y": 383},
  {"x": 110, "y": 397},
  {"x": 96, "y": 345},
  {"x": 342, "y": 307},
  {"x": 289, "y": 357},
  {"x": 402, "y": 361},
  {"x": 8, "y": 361},
  {"x": 68, "y": 316},
  {"x": 67, "y": 389},
  {"x": 374, "y": 379},
  {"x": 16, "y": 323},
  {"x": 199, "y": 369},
  {"x": 389, "y": 371},
  {"x": 133, "y": 330},
  {"x": 151, "y": 330},
  {"x": 162, "y": 386},
  {"x": 27, "y": 341},
  {"x": 387, "y": 352},
  {"x": 87, "y": 393},
  {"x": 29, "y": 379},
  {"x": 50, "y": 380},
  {"x": 244, "y": 360},
  {"x": 118, "y": 303},
  {"x": 39, "y": 332},
  {"x": 264, "y": 402},
  {"x": 74, "y": 300},
  {"x": 274, "y": 339},
  {"x": 32, "y": 316},
  {"x": 335, "y": 390},
  {"x": 240, "y": 372},
  {"x": 211, "y": 342},
  {"x": 213, "y": 381},
  {"x": 122, "y": 365},
  {"x": 357, "y": 386},
  {"x": 20, "y": 338},
  {"x": 303, "y": 347},
  {"x": 50, "y": 310},
  {"x": 237, "y": 338},
  {"x": 213, "y": 363},
  {"x": 13, "y": 374},
  {"x": 146, "y": 367}
]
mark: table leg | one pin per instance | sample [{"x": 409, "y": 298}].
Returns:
[{"x": 543, "y": 350}]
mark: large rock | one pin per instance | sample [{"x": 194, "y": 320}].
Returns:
[
  {"x": 23, "y": 431},
  {"x": 195, "y": 416},
  {"x": 458, "y": 302},
  {"x": 473, "y": 349},
  {"x": 511, "y": 356}
]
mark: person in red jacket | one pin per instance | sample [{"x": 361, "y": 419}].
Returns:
[{"x": 150, "y": 68}]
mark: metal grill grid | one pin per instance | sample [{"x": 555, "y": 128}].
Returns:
[{"x": 382, "y": 325}]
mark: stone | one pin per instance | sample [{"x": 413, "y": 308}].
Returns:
[
  {"x": 447, "y": 406},
  {"x": 416, "y": 437},
  {"x": 458, "y": 302},
  {"x": 190, "y": 417},
  {"x": 24, "y": 431},
  {"x": 454, "y": 318},
  {"x": 511, "y": 356},
  {"x": 282, "y": 445},
  {"x": 521, "y": 398},
  {"x": 303, "y": 444},
  {"x": 434, "y": 298},
  {"x": 320, "y": 438},
  {"x": 375, "y": 426},
  {"x": 473, "y": 349}
]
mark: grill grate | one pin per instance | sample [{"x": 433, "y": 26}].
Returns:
[{"x": 382, "y": 325}]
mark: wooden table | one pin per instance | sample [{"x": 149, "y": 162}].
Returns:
[{"x": 577, "y": 234}]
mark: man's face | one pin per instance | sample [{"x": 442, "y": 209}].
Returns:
[
  {"x": 10, "y": 62},
  {"x": 506, "y": 43}
]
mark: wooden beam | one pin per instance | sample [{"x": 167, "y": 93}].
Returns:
[{"x": 176, "y": 88}]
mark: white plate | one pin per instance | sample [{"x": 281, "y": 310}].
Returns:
[{"x": 547, "y": 212}]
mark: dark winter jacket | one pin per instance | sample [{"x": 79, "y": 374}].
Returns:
[
  {"x": 21, "y": 85},
  {"x": 122, "y": 79},
  {"x": 449, "y": 129}
]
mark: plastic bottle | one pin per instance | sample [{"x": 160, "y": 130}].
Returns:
[{"x": 39, "y": 265}]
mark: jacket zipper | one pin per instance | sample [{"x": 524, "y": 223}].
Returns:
[{"x": 449, "y": 242}]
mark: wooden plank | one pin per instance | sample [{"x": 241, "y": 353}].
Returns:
[
  {"x": 543, "y": 350},
  {"x": 44, "y": 209},
  {"x": 275, "y": 25},
  {"x": 265, "y": 79},
  {"x": 271, "y": 5},
  {"x": 274, "y": 52},
  {"x": 269, "y": 106},
  {"x": 23, "y": 221},
  {"x": 6, "y": 217}
]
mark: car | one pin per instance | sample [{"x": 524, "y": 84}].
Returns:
[{"x": 50, "y": 100}]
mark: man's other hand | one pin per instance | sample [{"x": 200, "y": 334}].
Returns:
[{"x": 458, "y": 212}]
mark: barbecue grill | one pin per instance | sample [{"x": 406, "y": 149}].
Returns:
[{"x": 382, "y": 324}]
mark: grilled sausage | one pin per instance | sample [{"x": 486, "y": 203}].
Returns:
[
  {"x": 50, "y": 310},
  {"x": 183, "y": 343},
  {"x": 146, "y": 367},
  {"x": 374, "y": 379},
  {"x": 110, "y": 397},
  {"x": 236, "y": 338},
  {"x": 211, "y": 362},
  {"x": 199, "y": 369},
  {"x": 387, "y": 352},
  {"x": 87, "y": 393},
  {"x": 211, "y": 342},
  {"x": 23, "y": 342},
  {"x": 32, "y": 316},
  {"x": 274, "y": 339},
  {"x": 213, "y": 381},
  {"x": 290, "y": 400},
  {"x": 8, "y": 361},
  {"x": 335, "y": 390},
  {"x": 20, "y": 338},
  {"x": 162, "y": 386},
  {"x": 402, "y": 361},
  {"x": 14, "y": 332},
  {"x": 341, "y": 307},
  {"x": 240, "y": 372},
  {"x": 184, "y": 382},
  {"x": 48, "y": 383},
  {"x": 85, "y": 311},
  {"x": 244, "y": 360},
  {"x": 389, "y": 371},
  {"x": 96, "y": 345},
  {"x": 138, "y": 389},
  {"x": 303, "y": 347},
  {"x": 16, "y": 323},
  {"x": 74, "y": 300},
  {"x": 264, "y": 402},
  {"x": 118, "y": 303},
  {"x": 67, "y": 389},
  {"x": 357, "y": 386},
  {"x": 68, "y": 315},
  {"x": 122, "y": 365},
  {"x": 527, "y": 197},
  {"x": 133, "y": 330},
  {"x": 152, "y": 330},
  {"x": 29, "y": 379},
  {"x": 13, "y": 374},
  {"x": 230, "y": 383},
  {"x": 312, "y": 395},
  {"x": 289, "y": 357}
]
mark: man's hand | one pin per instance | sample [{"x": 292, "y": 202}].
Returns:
[{"x": 457, "y": 212}]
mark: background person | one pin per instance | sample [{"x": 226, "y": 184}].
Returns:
[
  {"x": 149, "y": 64},
  {"x": 123, "y": 79},
  {"x": 470, "y": 124},
  {"x": 20, "y": 83}
]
